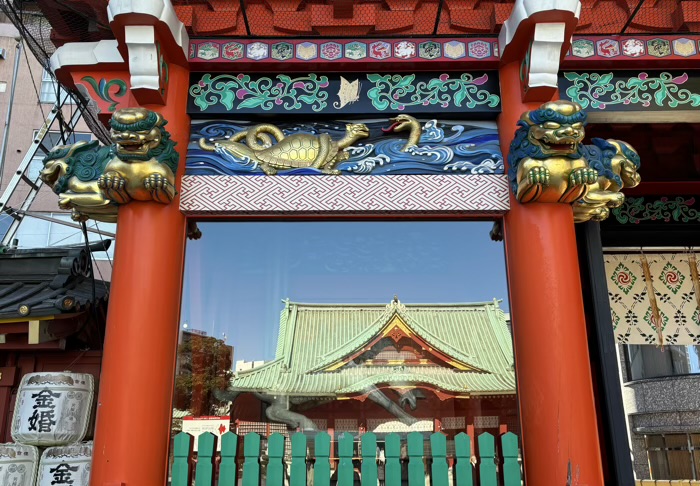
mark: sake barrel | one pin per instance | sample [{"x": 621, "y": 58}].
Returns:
[
  {"x": 18, "y": 464},
  {"x": 66, "y": 465},
  {"x": 52, "y": 408}
]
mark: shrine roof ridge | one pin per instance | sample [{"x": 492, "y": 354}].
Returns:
[{"x": 495, "y": 301}]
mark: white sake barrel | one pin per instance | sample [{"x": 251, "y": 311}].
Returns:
[
  {"x": 66, "y": 465},
  {"x": 18, "y": 464},
  {"x": 52, "y": 408}
]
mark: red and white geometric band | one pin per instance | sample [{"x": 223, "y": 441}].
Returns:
[{"x": 202, "y": 195}]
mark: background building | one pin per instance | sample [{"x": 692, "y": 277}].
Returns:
[
  {"x": 36, "y": 92},
  {"x": 661, "y": 393}
]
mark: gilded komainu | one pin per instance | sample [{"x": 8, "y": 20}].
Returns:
[
  {"x": 139, "y": 165},
  {"x": 617, "y": 164},
  {"x": 72, "y": 172},
  {"x": 288, "y": 152},
  {"x": 548, "y": 162}
]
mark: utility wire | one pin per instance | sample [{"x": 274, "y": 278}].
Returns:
[
  {"x": 36, "y": 91},
  {"x": 99, "y": 233},
  {"x": 92, "y": 280},
  {"x": 102, "y": 279}
]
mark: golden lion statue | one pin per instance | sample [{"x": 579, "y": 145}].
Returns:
[
  {"x": 548, "y": 162},
  {"x": 72, "y": 172},
  {"x": 545, "y": 160},
  {"x": 145, "y": 160},
  {"x": 617, "y": 166},
  {"x": 139, "y": 165}
]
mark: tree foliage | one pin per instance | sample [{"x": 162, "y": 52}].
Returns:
[{"x": 204, "y": 365}]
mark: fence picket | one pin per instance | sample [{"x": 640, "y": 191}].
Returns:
[
  {"x": 345, "y": 450},
  {"x": 297, "y": 475},
  {"x": 251, "y": 461},
  {"x": 511, "y": 468},
  {"x": 487, "y": 460},
  {"x": 322, "y": 465},
  {"x": 463, "y": 454},
  {"x": 439, "y": 471},
  {"x": 369, "y": 459},
  {"x": 227, "y": 469},
  {"x": 392, "y": 451},
  {"x": 275, "y": 464},
  {"x": 182, "y": 451},
  {"x": 438, "y": 446},
  {"x": 416, "y": 467},
  {"x": 206, "y": 455}
]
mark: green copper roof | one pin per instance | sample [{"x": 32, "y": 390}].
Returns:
[{"x": 314, "y": 336}]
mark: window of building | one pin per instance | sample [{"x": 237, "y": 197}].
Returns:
[
  {"x": 39, "y": 233},
  {"x": 674, "y": 456},
  {"x": 50, "y": 89},
  {"x": 650, "y": 361}
]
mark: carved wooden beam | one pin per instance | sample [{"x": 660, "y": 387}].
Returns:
[{"x": 538, "y": 34}]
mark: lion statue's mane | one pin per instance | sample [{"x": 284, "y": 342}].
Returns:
[
  {"x": 521, "y": 147},
  {"x": 86, "y": 163},
  {"x": 165, "y": 152}
]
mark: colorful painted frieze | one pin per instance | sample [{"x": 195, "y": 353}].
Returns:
[
  {"x": 658, "y": 211},
  {"x": 484, "y": 50},
  {"x": 631, "y": 91},
  {"x": 632, "y": 48},
  {"x": 220, "y": 94},
  {"x": 400, "y": 50}
]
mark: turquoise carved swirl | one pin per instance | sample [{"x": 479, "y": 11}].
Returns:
[
  {"x": 636, "y": 210},
  {"x": 600, "y": 90},
  {"x": 102, "y": 89},
  {"x": 264, "y": 93},
  {"x": 397, "y": 92}
]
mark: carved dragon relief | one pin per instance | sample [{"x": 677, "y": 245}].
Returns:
[{"x": 548, "y": 162}]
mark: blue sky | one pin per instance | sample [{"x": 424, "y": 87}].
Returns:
[{"x": 237, "y": 274}]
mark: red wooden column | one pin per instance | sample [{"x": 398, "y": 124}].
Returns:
[
  {"x": 557, "y": 410},
  {"x": 135, "y": 401}
]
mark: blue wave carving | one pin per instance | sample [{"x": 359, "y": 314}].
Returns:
[{"x": 444, "y": 148}]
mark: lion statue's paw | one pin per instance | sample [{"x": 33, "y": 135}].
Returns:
[
  {"x": 160, "y": 188},
  {"x": 114, "y": 186},
  {"x": 584, "y": 175},
  {"x": 538, "y": 175}
]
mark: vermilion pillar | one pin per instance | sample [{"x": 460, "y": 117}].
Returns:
[
  {"x": 557, "y": 411},
  {"x": 135, "y": 399}
]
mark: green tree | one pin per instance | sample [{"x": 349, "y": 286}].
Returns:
[{"x": 204, "y": 365}]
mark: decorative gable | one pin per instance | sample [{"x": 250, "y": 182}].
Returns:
[{"x": 408, "y": 346}]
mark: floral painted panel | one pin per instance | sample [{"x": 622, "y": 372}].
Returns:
[
  {"x": 636, "y": 210},
  {"x": 675, "y": 287},
  {"x": 346, "y": 93},
  {"x": 399, "y": 92},
  {"x": 632, "y": 91}
]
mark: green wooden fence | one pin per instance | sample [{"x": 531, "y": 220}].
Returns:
[{"x": 296, "y": 467}]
